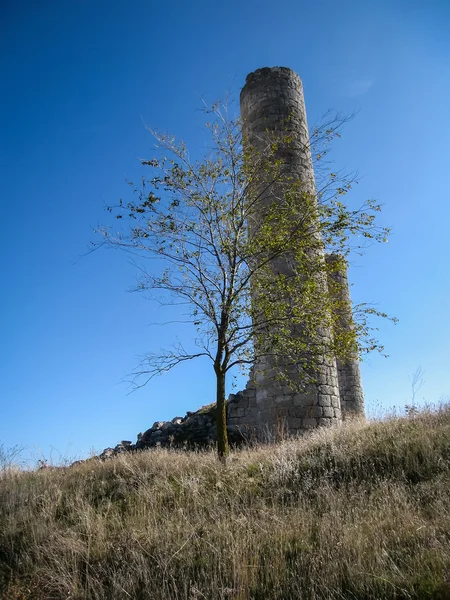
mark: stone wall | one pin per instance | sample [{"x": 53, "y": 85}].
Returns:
[
  {"x": 349, "y": 374},
  {"x": 197, "y": 430}
]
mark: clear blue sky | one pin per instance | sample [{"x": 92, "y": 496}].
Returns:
[{"x": 79, "y": 78}]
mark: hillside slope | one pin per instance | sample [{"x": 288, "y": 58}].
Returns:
[{"x": 358, "y": 512}]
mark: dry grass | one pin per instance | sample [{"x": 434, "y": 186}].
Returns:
[{"x": 352, "y": 513}]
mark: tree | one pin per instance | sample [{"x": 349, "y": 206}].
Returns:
[{"x": 194, "y": 216}]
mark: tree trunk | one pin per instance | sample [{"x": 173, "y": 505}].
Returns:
[{"x": 221, "y": 417}]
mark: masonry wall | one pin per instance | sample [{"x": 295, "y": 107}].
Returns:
[
  {"x": 349, "y": 374},
  {"x": 272, "y": 105}
]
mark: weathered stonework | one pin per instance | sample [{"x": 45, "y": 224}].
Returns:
[
  {"x": 349, "y": 375},
  {"x": 196, "y": 430},
  {"x": 273, "y": 107}
]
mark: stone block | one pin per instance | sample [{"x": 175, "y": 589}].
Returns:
[
  {"x": 157, "y": 425},
  {"x": 315, "y": 411},
  {"x": 309, "y": 423},
  {"x": 335, "y": 401},
  {"x": 283, "y": 400},
  {"x": 328, "y": 411},
  {"x": 305, "y": 399},
  {"x": 298, "y": 411},
  {"x": 327, "y": 389},
  {"x": 270, "y": 373},
  {"x": 295, "y": 423},
  {"x": 261, "y": 394},
  {"x": 324, "y": 400},
  {"x": 288, "y": 391}
]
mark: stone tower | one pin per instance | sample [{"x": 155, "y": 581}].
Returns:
[
  {"x": 272, "y": 106},
  {"x": 349, "y": 375}
]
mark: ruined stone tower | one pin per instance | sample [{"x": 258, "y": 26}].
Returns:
[
  {"x": 272, "y": 105},
  {"x": 349, "y": 375}
]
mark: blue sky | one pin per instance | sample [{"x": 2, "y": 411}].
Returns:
[{"x": 80, "y": 79}]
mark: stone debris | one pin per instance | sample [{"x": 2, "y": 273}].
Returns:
[{"x": 197, "y": 430}]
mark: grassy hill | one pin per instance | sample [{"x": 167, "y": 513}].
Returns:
[{"x": 357, "y": 512}]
